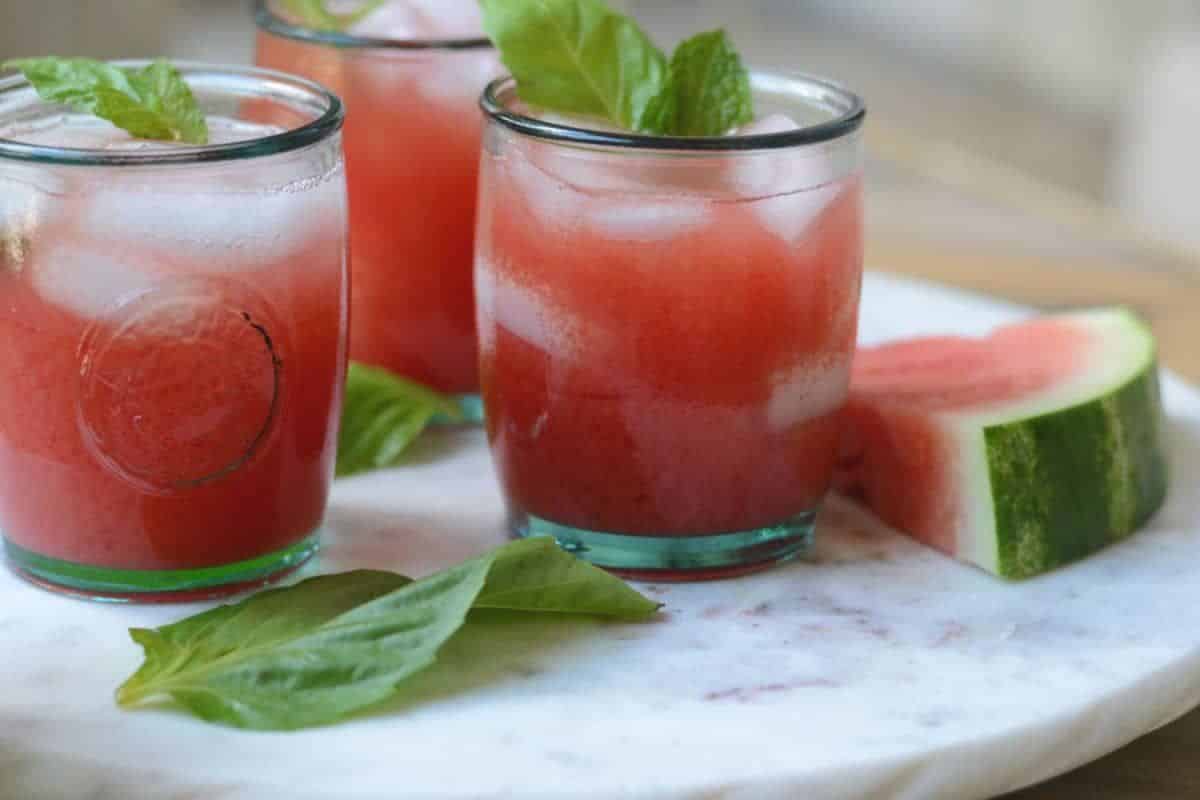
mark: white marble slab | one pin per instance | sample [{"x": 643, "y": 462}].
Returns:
[{"x": 878, "y": 669}]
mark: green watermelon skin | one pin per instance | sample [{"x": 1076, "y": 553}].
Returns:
[
  {"x": 1068, "y": 483},
  {"x": 1016, "y": 481}
]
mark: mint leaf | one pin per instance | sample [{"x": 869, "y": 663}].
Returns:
[
  {"x": 707, "y": 91},
  {"x": 577, "y": 57},
  {"x": 312, "y": 653},
  {"x": 581, "y": 57},
  {"x": 384, "y": 414},
  {"x": 152, "y": 102},
  {"x": 167, "y": 95},
  {"x": 316, "y": 14}
]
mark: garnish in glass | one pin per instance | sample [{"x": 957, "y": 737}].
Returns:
[
  {"x": 582, "y": 57},
  {"x": 150, "y": 102}
]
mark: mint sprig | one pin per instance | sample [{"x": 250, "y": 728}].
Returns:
[
  {"x": 151, "y": 102},
  {"x": 707, "y": 92},
  {"x": 313, "y": 653},
  {"x": 577, "y": 56},
  {"x": 581, "y": 57},
  {"x": 317, "y": 15},
  {"x": 382, "y": 416}
]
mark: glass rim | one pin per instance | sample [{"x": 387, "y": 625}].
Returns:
[
  {"x": 318, "y": 129},
  {"x": 848, "y": 120},
  {"x": 265, "y": 19}
]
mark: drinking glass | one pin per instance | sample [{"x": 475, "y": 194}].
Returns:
[
  {"x": 667, "y": 326},
  {"x": 412, "y": 154},
  {"x": 172, "y": 339}
]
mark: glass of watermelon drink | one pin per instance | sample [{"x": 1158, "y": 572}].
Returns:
[
  {"x": 410, "y": 73},
  {"x": 667, "y": 325},
  {"x": 172, "y": 339}
]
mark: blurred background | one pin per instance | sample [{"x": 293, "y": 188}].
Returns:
[{"x": 1065, "y": 128}]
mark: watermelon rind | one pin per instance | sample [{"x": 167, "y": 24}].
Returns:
[{"x": 1058, "y": 475}]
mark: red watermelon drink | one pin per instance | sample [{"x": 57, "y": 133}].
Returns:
[
  {"x": 410, "y": 73},
  {"x": 172, "y": 341},
  {"x": 667, "y": 326}
]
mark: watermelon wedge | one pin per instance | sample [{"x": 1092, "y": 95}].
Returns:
[{"x": 1018, "y": 452}]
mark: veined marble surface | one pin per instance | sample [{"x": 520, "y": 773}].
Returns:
[{"x": 874, "y": 669}]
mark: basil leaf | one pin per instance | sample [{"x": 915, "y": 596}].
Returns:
[
  {"x": 266, "y": 619},
  {"x": 577, "y": 56},
  {"x": 315, "y": 652},
  {"x": 384, "y": 414},
  {"x": 707, "y": 91},
  {"x": 151, "y": 102},
  {"x": 316, "y": 673},
  {"x": 316, "y": 14},
  {"x": 537, "y": 575}
]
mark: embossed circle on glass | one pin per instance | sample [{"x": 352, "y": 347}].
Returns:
[
  {"x": 172, "y": 339},
  {"x": 193, "y": 339},
  {"x": 666, "y": 328}
]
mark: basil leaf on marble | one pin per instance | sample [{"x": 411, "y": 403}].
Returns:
[
  {"x": 382, "y": 416},
  {"x": 313, "y": 653}
]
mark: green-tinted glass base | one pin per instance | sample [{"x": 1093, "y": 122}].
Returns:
[
  {"x": 471, "y": 406},
  {"x": 152, "y": 586},
  {"x": 678, "y": 558}
]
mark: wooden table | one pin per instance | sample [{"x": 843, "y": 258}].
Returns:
[{"x": 957, "y": 220}]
